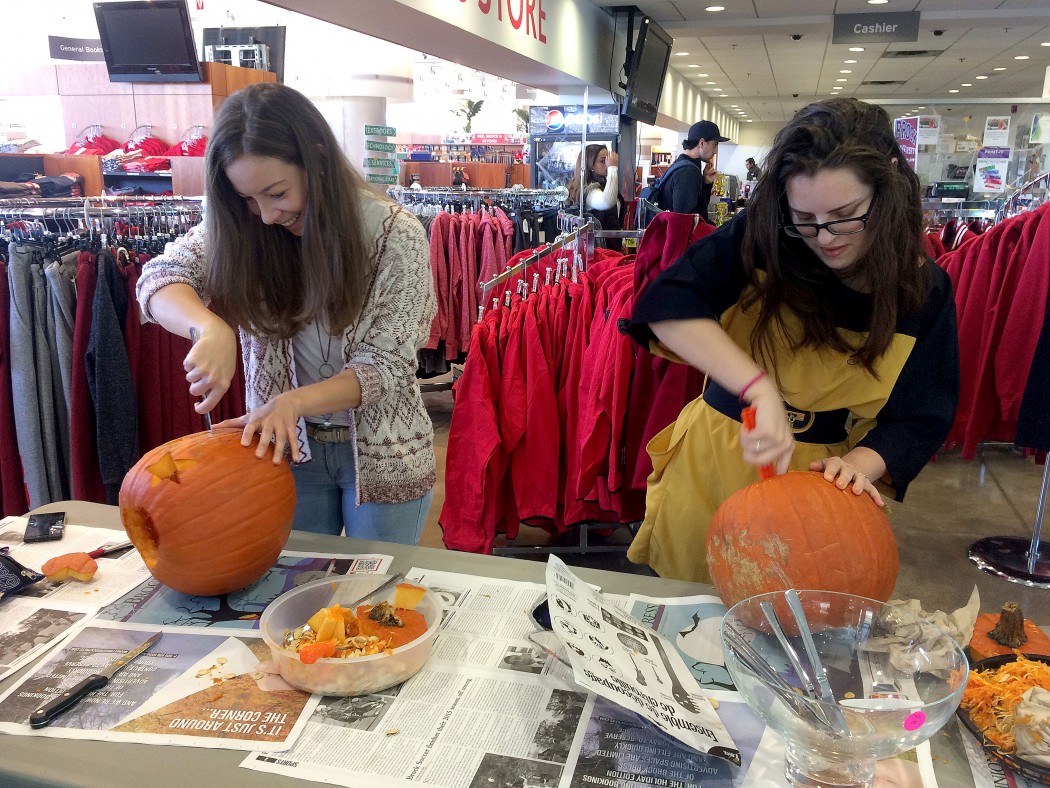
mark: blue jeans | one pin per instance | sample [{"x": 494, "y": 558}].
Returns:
[{"x": 326, "y": 491}]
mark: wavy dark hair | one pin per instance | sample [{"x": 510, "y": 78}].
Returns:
[
  {"x": 574, "y": 184},
  {"x": 826, "y": 135},
  {"x": 259, "y": 276}
]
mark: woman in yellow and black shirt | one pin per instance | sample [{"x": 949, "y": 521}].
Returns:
[{"x": 818, "y": 307}]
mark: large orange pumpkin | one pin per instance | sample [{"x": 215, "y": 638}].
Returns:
[
  {"x": 802, "y": 526},
  {"x": 207, "y": 515}
]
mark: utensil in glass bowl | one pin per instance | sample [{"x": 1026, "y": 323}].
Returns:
[{"x": 863, "y": 646}]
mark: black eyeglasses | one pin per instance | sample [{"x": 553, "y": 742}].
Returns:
[{"x": 837, "y": 227}]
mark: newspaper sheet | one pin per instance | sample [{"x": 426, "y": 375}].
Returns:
[
  {"x": 153, "y": 604},
  {"x": 450, "y": 726},
  {"x": 45, "y": 612},
  {"x": 193, "y": 688},
  {"x": 617, "y": 657},
  {"x": 987, "y": 771}
]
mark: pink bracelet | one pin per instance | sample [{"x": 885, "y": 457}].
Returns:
[{"x": 751, "y": 383}]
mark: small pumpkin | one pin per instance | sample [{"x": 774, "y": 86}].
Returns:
[
  {"x": 799, "y": 529},
  {"x": 992, "y": 629},
  {"x": 207, "y": 515}
]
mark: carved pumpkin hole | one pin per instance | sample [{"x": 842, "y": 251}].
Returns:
[{"x": 143, "y": 533}]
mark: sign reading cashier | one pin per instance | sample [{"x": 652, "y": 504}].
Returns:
[{"x": 876, "y": 28}]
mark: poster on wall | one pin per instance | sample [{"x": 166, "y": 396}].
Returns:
[
  {"x": 1040, "y": 128},
  {"x": 929, "y": 129},
  {"x": 906, "y": 132},
  {"x": 996, "y": 131},
  {"x": 990, "y": 175}
]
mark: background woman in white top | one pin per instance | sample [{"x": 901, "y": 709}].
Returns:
[{"x": 600, "y": 188}]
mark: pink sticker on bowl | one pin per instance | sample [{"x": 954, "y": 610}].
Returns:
[{"x": 914, "y": 721}]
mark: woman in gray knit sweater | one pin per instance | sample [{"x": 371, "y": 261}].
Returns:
[{"x": 330, "y": 287}]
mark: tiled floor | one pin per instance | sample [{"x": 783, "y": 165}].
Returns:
[{"x": 953, "y": 503}]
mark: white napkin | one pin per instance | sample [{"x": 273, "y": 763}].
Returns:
[{"x": 1032, "y": 726}]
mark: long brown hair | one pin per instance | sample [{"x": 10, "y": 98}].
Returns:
[
  {"x": 592, "y": 152},
  {"x": 259, "y": 276},
  {"x": 833, "y": 134}
]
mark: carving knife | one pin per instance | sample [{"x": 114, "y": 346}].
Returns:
[
  {"x": 71, "y": 697},
  {"x": 194, "y": 336}
]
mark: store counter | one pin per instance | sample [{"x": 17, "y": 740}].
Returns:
[{"x": 43, "y": 761}]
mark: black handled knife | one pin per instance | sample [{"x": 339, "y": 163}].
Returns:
[{"x": 72, "y": 696}]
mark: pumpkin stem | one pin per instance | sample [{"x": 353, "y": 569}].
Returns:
[{"x": 1009, "y": 631}]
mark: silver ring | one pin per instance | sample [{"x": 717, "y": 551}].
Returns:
[{"x": 758, "y": 445}]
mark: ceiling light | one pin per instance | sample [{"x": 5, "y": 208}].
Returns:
[
  {"x": 920, "y": 108},
  {"x": 877, "y": 2},
  {"x": 747, "y": 121},
  {"x": 856, "y": 49},
  {"x": 967, "y": 84},
  {"x": 849, "y": 61},
  {"x": 717, "y": 89},
  {"x": 715, "y": 8},
  {"x": 842, "y": 79},
  {"x": 836, "y": 87},
  {"x": 734, "y": 106},
  {"x": 953, "y": 90},
  {"x": 982, "y": 77},
  {"x": 681, "y": 54},
  {"x": 693, "y": 65},
  {"x": 845, "y": 71},
  {"x": 703, "y": 75},
  {"x": 1020, "y": 57},
  {"x": 1045, "y": 44},
  {"x": 999, "y": 68},
  {"x": 710, "y": 83}
]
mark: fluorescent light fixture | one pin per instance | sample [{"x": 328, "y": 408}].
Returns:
[
  {"x": 856, "y": 49},
  {"x": 982, "y": 76},
  {"x": 842, "y": 79},
  {"x": 999, "y": 68},
  {"x": 849, "y": 61},
  {"x": 967, "y": 84},
  {"x": 681, "y": 54},
  {"x": 953, "y": 90},
  {"x": 715, "y": 8},
  {"x": 845, "y": 71},
  {"x": 1020, "y": 57},
  {"x": 693, "y": 65}
]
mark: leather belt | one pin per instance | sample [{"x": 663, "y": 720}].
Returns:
[
  {"x": 336, "y": 433},
  {"x": 822, "y": 426}
]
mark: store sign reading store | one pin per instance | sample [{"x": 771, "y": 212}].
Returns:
[
  {"x": 876, "y": 28},
  {"x": 527, "y": 16}
]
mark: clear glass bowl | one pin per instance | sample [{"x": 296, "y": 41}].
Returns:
[
  {"x": 896, "y": 680},
  {"x": 351, "y": 675}
]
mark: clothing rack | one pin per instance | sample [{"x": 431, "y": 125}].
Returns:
[
  {"x": 567, "y": 222},
  {"x": 584, "y": 233},
  {"x": 513, "y": 195}
]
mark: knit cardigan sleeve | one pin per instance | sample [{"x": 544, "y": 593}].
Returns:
[
  {"x": 181, "y": 263},
  {"x": 400, "y": 309}
]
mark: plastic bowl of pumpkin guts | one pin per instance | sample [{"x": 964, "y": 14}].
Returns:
[{"x": 319, "y": 645}]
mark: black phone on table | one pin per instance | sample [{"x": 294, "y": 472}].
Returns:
[{"x": 45, "y": 527}]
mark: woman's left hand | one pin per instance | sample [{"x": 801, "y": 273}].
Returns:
[
  {"x": 846, "y": 476},
  {"x": 275, "y": 422}
]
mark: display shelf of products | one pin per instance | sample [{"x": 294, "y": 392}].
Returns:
[{"x": 462, "y": 153}]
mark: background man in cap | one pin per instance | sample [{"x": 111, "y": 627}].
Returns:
[{"x": 688, "y": 189}]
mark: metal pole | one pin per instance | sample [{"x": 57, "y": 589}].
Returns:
[
  {"x": 1040, "y": 510},
  {"x": 583, "y": 150}
]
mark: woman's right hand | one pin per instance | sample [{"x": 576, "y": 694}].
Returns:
[
  {"x": 613, "y": 160},
  {"x": 771, "y": 442},
  {"x": 211, "y": 364}
]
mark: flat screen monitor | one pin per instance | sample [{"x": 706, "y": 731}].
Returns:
[
  {"x": 148, "y": 41},
  {"x": 645, "y": 80}
]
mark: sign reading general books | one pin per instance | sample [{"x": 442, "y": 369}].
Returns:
[
  {"x": 990, "y": 175},
  {"x": 906, "y": 132}
]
